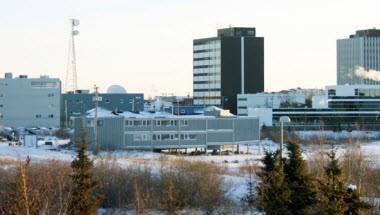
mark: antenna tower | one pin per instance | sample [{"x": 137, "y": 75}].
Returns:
[{"x": 71, "y": 70}]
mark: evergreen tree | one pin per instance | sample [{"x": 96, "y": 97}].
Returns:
[
  {"x": 302, "y": 185},
  {"x": 273, "y": 192},
  {"x": 336, "y": 198},
  {"x": 355, "y": 205},
  {"x": 249, "y": 199},
  {"x": 83, "y": 201},
  {"x": 332, "y": 189}
]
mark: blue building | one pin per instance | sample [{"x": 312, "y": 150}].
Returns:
[{"x": 77, "y": 104}]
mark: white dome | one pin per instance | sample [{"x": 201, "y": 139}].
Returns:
[{"x": 116, "y": 89}]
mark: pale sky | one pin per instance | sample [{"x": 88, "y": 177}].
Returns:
[{"x": 146, "y": 45}]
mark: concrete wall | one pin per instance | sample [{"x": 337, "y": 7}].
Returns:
[{"x": 30, "y": 102}]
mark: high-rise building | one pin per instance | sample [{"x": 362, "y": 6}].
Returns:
[
  {"x": 358, "y": 58},
  {"x": 226, "y": 65},
  {"x": 29, "y": 102}
]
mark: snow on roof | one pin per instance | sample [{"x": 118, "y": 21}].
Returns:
[
  {"x": 101, "y": 113},
  {"x": 213, "y": 108}
]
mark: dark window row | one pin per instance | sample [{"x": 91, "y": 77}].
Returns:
[
  {"x": 202, "y": 58},
  {"x": 206, "y": 90}
]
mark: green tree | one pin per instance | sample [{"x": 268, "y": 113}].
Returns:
[
  {"x": 83, "y": 200},
  {"x": 355, "y": 205},
  {"x": 273, "y": 192},
  {"x": 301, "y": 184},
  {"x": 332, "y": 188},
  {"x": 249, "y": 198}
]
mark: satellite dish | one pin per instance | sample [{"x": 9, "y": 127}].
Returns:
[{"x": 116, "y": 89}]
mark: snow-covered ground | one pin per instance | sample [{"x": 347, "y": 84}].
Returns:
[{"x": 235, "y": 180}]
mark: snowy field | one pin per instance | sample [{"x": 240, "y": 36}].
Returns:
[{"x": 235, "y": 180}]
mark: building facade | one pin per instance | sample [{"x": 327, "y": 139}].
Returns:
[
  {"x": 77, "y": 104},
  {"x": 358, "y": 58},
  {"x": 226, "y": 65},
  {"x": 29, "y": 102},
  {"x": 291, "y": 98},
  {"x": 155, "y": 131},
  {"x": 342, "y": 107}
]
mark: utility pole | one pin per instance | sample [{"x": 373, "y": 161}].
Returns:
[
  {"x": 66, "y": 117},
  {"x": 96, "y": 120}
]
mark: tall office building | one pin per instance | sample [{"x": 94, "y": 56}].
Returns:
[
  {"x": 231, "y": 63},
  {"x": 358, "y": 58}
]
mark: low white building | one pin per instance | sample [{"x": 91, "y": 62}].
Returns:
[
  {"x": 30, "y": 102},
  {"x": 269, "y": 100}
]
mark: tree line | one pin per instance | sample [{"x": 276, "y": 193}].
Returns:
[{"x": 286, "y": 186}]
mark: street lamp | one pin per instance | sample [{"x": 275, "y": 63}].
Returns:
[{"x": 283, "y": 119}]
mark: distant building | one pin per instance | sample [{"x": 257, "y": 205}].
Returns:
[
  {"x": 341, "y": 107},
  {"x": 160, "y": 130},
  {"x": 226, "y": 65},
  {"x": 284, "y": 99},
  {"x": 77, "y": 104},
  {"x": 29, "y": 102},
  {"x": 358, "y": 58},
  {"x": 185, "y": 109},
  {"x": 163, "y": 103}
]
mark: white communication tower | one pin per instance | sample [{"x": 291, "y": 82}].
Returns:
[{"x": 71, "y": 70}]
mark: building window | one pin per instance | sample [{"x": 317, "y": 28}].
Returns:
[
  {"x": 174, "y": 136},
  {"x": 156, "y": 137},
  {"x": 121, "y": 101},
  {"x": 184, "y": 123},
  {"x": 146, "y": 122},
  {"x": 51, "y": 116},
  {"x": 356, "y": 92},
  {"x": 1, "y": 105},
  {"x": 38, "y": 115},
  {"x": 137, "y": 123},
  {"x": 188, "y": 136},
  {"x": 50, "y": 94},
  {"x": 44, "y": 84},
  {"x": 1, "y": 115},
  {"x": 331, "y": 92},
  {"x": 107, "y": 101},
  {"x": 141, "y": 137},
  {"x": 165, "y": 136},
  {"x": 129, "y": 123},
  {"x": 90, "y": 123},
  {"x": 158, "y": 122}
]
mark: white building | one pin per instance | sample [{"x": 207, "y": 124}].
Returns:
[
  {"x": 358, "y": 58},
  {"x": 207, "y": 73},
  {"x": 269, "y": 100},
  {"x": 29, "y": 102}
]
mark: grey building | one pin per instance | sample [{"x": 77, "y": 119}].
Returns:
[
  {"x": 29, "y": 102},
  {"x": 77, "y": 104},
  {"x": 226, "y": 65},
  {"x": 154, "y": 131},
  {"x": 358, "y": 58}
]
